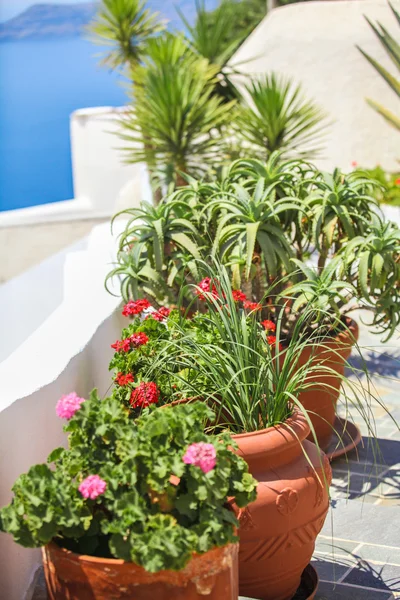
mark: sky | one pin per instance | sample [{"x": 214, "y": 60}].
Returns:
[{"x": 10, "y": 8}]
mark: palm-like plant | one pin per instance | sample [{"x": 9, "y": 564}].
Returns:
[
  {"x": 216, "y": 39},
  {"x": 176, "y": 119},
  {"x": 392, "y": 48},
  {"x": 124, "y": 26},
  {"x": 278, "y": 117}
]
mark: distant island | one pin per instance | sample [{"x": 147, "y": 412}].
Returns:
[
  {"x": 43, "y": 21},
  {"x": 48, "y": 21}
]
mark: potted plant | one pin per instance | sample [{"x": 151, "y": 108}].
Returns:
[
  {"x": 133, "y": 508},
  {"x": 291, "y": 236},
  {"x": 226, "y": 357}
]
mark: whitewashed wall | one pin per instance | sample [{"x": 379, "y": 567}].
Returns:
[
  {"x": 103, "y": 183},
  {"x": 70, "y": 351},
  {"x": 315, "y": 44}
]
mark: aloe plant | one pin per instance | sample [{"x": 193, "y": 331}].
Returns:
[
  {"x": 124, "y": 26},
  {"x": 277, "y": 116},
  {"x": 339, "y": 208},
  {"x": 392, "y": 48},
  {"x": 267, "y": 223}
]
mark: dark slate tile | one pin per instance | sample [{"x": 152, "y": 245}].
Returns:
[
  {"x": 382, "y": 577},
  {"x": 333, "y": 547},
  {"x": 332, "y": 569},
  {"x": 381, "y": 451},
  {"x": 381, "y": 554},
  {"x": 332, "y": 591},
  {"x": 363, "y": 522}
]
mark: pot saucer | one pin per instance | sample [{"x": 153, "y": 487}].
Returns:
[
  {"x": 308, "y": 585},
  {"x": 346, "y": 436}
]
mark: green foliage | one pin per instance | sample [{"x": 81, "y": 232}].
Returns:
[
  {"x": 124, "y": 26},
  {"x": 176, "y": 121},
  {"x": 278, "y": 117},
  {"x": 248, "y": 371},
  {"x": 217, "y": 35},
  {"x": 392, "y": 48},
  {"x": 373, "y": 262},
  {"x": 387, "y": 188},
  {"x": 258, "y": 219},
  {"x": 142, "y": 516}
]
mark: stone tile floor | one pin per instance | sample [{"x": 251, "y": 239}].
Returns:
[{"x": 357, "y": 555}]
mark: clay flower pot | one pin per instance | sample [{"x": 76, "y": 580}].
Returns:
[
  {"x": 69, "y": 576},
  {"x": 278, "y": 531},
  {"x": 321, "y": 399}
]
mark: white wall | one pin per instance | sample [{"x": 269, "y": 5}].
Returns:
[
  {"x": 315, "y": 44},
  {"x": 70, "y": 351},
  {"x": 103, "y": 183}
]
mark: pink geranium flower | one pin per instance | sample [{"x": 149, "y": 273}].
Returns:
[
  {"x": 92, "y": 486},
  {"x": 68, "y": 405},
  {"x": 201, "y": 455}
]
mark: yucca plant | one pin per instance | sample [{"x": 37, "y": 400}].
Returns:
[
  {"x": 392, "y": 48},
  {"x": 216, "y": 39},
  {"x": 124, "y": 26},
  {"x": 175, "y": 122},
  {"x": 277, "y": 116}
]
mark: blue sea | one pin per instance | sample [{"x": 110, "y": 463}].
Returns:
[{"x": 41, "y": 83}]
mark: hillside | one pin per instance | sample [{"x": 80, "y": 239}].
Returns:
[{"x": 43, "y": 21}]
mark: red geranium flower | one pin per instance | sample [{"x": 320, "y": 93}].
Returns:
[
  {"x": 160, "y": 314},
  {"x": 238, "y": 295},
  {"x": 268, "y": 325},
  {"x": 145, "y": 394},
  {"x": 252, "y": 305},
  {"x": 135, "y": 307},
  {"x": 122, "y": 345},
  {"x": 122, "y": 379},
  {"x": 271, "y": 341},
  {"x": 205, "y": 286},
  {"x": 138, "y": 339},
  {"x": 354, "y": 164},
  {"x": 397, "y": 181}
]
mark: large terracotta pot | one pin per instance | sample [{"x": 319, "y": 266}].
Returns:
[
  {"x": 320, "y": 401},
  {"x": 210, "y": 576},
  {"x": 278, "y": 531}
]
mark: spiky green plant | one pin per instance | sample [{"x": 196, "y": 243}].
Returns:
[
  {"x": 216, "y": 38},
  {"x": 175, "y": 122},
  {"x": 124, "y": 26},
  {"x": 277, "y": 116},
  {"x": 392, "y": 48}
]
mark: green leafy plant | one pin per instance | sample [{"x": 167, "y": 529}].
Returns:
[
  {"x": 249, "y": 370},
  {"x": 392, "y": 49},
  {"x": 216, "y": 36},
  {"x": 387, "y": 188},
  {"x": 124, "y": 26},
  {"x": 175, "y": 122},
  {"x": 276, "y": 116},
  {"x": 130, "y": 489},
  {"x": 259, "y": 219}
]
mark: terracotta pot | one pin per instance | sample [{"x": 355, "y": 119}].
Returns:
[
  {"x": 321, "y": 399},
  {"x": 69, "y": 576},
  {"x": 278, "y": 531}
]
